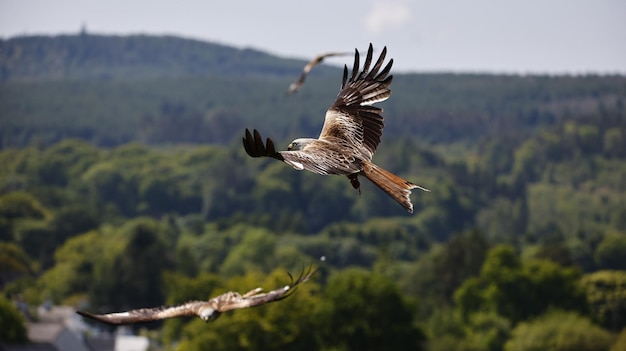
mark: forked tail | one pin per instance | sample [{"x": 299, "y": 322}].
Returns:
[{"x": 399, "y": 189}]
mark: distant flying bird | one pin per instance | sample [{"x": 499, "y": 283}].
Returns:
[
  {"x": 309, "y": 66},
  {"x": 350, "y": 135},
  {"x": 206, "y": 310}
]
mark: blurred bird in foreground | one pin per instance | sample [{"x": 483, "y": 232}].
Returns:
[{"x": 206, "y": 310}]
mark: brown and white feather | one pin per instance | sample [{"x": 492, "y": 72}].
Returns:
[
  {"x": 225, "y": 302},
  {"x": 350, "y": 135}
]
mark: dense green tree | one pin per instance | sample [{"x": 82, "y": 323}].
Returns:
[
  {"x": 14, "y": 263},
  {"x": 461, "y": 258},
  {"x": 16, "y": 206},
  {"x": 559, "y": 331},
  {"x": 37, "y": 238},
  {"x": 136, "y": 273},
  {"x": 614, "y": 142},
  {"x": 518, "y": 290},
  {"x": 64, "y": 162},
  {"x": 365, "y": 311},
  {"x": 444, "y": 329},
  {"x": 255, "y": 251},
  {"x": 611, "y": 252},
  {"x": 528, "y": 160},
  {"x": 75, "y": 264},
  {"x": 503, "y": 220},
  {"x": 606, "y": 296},
  {"x": 107, "y": 183},
  {"x": 13, "y": 328},
  {"x": 486, "y": 331},
  {"x": 435, "y": 276},
  {"x": 620, "y": 343}
]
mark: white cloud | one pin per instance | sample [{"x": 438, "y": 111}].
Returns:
[{"x": 386, "y": 15}]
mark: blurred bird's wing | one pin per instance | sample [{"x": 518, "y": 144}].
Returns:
[
  {"x": 190, "y": 308},
  {"x": 309, "y": 66}
]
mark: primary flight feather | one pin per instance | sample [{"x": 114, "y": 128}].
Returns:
[
  {"x": 350, "y": 135},
  {"x": 206, "y": 310}
]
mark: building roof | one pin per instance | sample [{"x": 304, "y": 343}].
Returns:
[{"x": 44, "y": 332}]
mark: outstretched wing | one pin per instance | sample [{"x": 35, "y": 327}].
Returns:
[
  {"x": 351, "y": 117},
  {"x": 321, "y": 159},
  {"x": 147, "y": 314},
  {"x": 235, "y": 301},
  {"x": 225, "y": 302},
  {"x": 308, "y": 67}
]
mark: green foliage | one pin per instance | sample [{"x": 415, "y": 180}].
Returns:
[
  {"x": 37, "y": 238},
  {"x": 365, "y": 311},
  {"x": 620, "y": 343},
  {"x": 503, "y": 219},
  {"x": 614, "y": 142},
  {"x": 17, "y": 205},
  {"x": 14, "y": 263},
  {"x": 611, "y": 252},
  {"x": 435, "y": 277},
  {"x": 76, "y": 264},
  {"x": 136, "y": 274},
  {"x": 559, "y": 331},
  {"x": 606, "y": 296},
  {"x": 255, "y": 251},
  {"x": 517, "y": 290},
  {"x": 487, "y": 331},
  {"x": 484, "y": 332},
  {"x": 444, "y": 329},
  {"x": 13, "y": 328}
]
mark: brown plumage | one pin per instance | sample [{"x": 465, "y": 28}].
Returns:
[
  {"x": 308, "y": 67},
  {"x": 351, "y": 133},
  {"x": 206, "y": 310}
]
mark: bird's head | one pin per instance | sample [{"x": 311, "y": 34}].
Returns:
[
  {"x": 209, "y": 314},
  {"x": 298, "y": 144}
]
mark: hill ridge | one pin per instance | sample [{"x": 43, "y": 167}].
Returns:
[{"x": 95, "y": 56}]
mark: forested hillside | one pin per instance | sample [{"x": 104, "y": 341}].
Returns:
[
  {"x": 123, "y": 184},
  {"x": 113, "y": 90}
]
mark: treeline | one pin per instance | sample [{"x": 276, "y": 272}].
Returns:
[
  {"x": 512, "y": 239},
  {"x": 112, "y": 90}
]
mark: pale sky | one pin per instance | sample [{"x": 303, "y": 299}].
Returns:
[{"x": 531, "y": 36}]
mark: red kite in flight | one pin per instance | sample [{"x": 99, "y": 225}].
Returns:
[
  {"x": 351, "y": 133},
  {"x": 206, "y": 310}
]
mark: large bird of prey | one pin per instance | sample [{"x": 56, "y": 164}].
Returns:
[
  {"x": 206, "y": 310},
  {"x": 351, "y": 133},
  {"x": 309, "y": 66}
]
